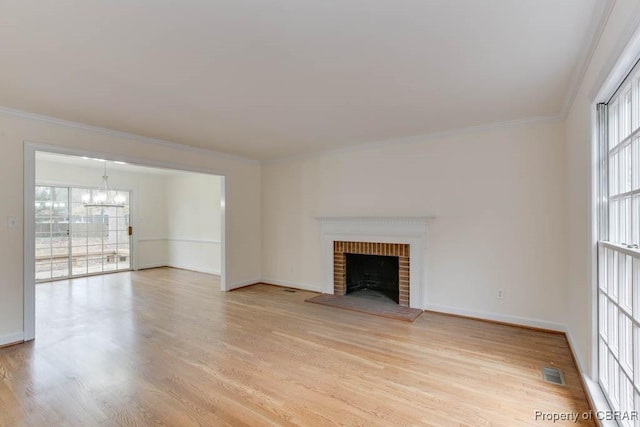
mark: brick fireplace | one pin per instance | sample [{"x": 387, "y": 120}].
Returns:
[
  {"x": 355, "y": 237},
  {"x": 399, "y": 250}
]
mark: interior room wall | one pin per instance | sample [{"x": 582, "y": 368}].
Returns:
[
  {"x": 193, "y": 222},
  {"x": 242, "y": 198},
  {"x": 622, "y": 23},
  {"x": 497, "y": 195},
  {"x": 148, "y": 206}
]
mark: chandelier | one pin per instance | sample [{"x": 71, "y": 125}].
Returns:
[{"x": 103, "y": 197}]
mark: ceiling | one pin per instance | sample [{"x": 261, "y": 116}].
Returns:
[{"x": 270, "y": 79}]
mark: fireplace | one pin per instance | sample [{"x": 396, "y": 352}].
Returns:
[
  {"x": 403, "y": 237},
  {"x": 373, "y": 272},
  {"x": 383, "y": 267}
]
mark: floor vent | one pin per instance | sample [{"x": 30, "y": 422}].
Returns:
[
  {"x": 293, "y": 291},
  {"x": 552, "y": 375}
]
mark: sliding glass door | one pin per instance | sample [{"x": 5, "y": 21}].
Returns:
[
  {"x": 52, "y": 232},
  {"x": 76, "y": 240}
]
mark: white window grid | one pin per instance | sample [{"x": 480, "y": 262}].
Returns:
[
  {"x": 83, "y": 257},
  {"x": 619, "y": 256}
]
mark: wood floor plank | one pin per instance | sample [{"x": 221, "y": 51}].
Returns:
[{"x": 164, "y": 347}]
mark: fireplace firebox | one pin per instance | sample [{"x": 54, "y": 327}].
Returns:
[{"x": 373, "y": 272}]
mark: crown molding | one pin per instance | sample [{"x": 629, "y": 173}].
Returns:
[
  {"x": 420, "y": 138},
  {"x": 586, "y": 56},
  {"x": 10, "y": 112},
  {"x": 621, "y": 59}
]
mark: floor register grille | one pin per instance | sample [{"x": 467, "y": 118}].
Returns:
[{"x": 552, "y": 375}]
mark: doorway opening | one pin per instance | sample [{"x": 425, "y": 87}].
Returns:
[{"x": 158, "y": 215}]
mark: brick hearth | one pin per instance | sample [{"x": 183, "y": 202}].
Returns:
[{"x": 368, "y": 248}]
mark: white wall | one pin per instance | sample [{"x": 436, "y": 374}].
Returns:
[
  {"x": 193, "y": 220},
  {"x": 243, "y": 212},
  {"x": 580, "y": 305},
  {"x": 498, "y": 197},
  {"x": 148, "y": 205}
]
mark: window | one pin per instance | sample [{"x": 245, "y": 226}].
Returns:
[
  {"x": 76, "y": 240},
  {"x": 618, "y": 253}
]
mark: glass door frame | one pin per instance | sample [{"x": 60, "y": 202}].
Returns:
[
  {"x": 51, "y": 232},
  {"x": 70, "y": 246},
  {"x": 130, "y": 239}
]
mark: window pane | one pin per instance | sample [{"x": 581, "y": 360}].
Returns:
[
  {"x": 635, "y": 108},
  {"x": 612, "y": 278},
  {"x": 614, "y": 216},
  {"x": 626, "y": 344},
  {"x": 624, "y": 228},
  {"x": 626, "y": 397},
  {"x": 619, "y": 267},
  {"x": 635, "y": 164},
  {"x": 613, "y": 124},
  {"x": 613, "y": 323},
  {"x": 603, "y": 359},
  {"x": 636, "y": 354},
  {"x": 80, "y": 265},
  {"x": 635, "y": 277},
  {"x": 603, "y": 317},
  {"x": 602, "y": 268},
  {"x": 625, "y": 113},
  {"x": 635, "y": 220},
  {"x": 614, "y": 382},
  {"x": 614, "y": 174},
  {"x": 626, "y": 176},
  {"x": 626, "y": 285}
]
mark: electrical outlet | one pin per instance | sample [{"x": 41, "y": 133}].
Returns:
[{"x": 500, "y": 294}]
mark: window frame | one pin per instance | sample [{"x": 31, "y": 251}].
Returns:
[{"x": 618, "y": 235}]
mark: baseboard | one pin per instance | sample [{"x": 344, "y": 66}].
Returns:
[
  {"x": 8, "y": 340},
  {"x": 242, "y": 284},
  {"x": 295, "y": 285},
  {"x": 194, "y": 268},
  {"x": 181, "y": 267},
  {"x": 499, "y": 318},
  {"x": 572, "y": 347},
  {"x": 148, "y": 266},
  {"x": 595, "y": 397}
]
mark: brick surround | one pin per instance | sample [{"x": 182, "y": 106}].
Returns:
[{"x": 368, "y": 248}]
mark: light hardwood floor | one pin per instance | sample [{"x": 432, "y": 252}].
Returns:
[{"x": 166, "y": 347}]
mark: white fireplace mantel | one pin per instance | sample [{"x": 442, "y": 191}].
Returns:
[{"x": 406, "y": 230}]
